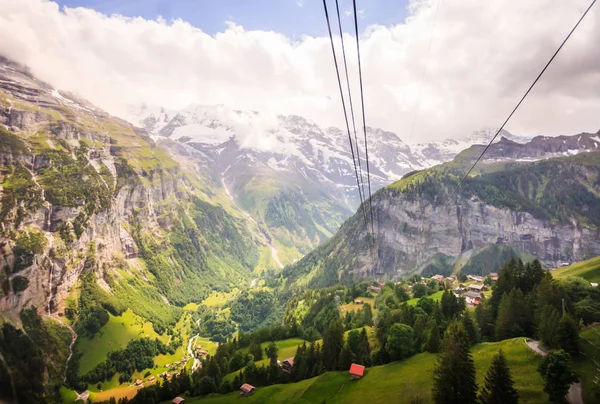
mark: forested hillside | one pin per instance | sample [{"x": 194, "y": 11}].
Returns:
[
  {"x": 97, "y": 219},
  {"x": 548, "y": 209}
]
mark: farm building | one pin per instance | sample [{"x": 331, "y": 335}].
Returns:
[
  {"x": 139, "y": 382},
  {"x": 374, "y": 289},
  {"x": 477, "y": 288},
  {"x": 472, "y": 297},
  {"x": 288, "y": 365},
  {"x": 178, "y": 400},
  {"x": 358, "y": 301},
  {"x": 356, "y": 371},
  {"x": 247, "y": 389}
]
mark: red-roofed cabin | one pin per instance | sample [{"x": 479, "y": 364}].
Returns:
[
  {"x": 246, "y": 389},
  {"x": 288, "y": 365},
  {"x": 178, "y": 400},
  {"x": 356, "y": 371}
]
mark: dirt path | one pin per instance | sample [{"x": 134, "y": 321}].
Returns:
[{"x": 574, "y": 394}]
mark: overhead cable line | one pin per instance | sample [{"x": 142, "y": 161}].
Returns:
[
  {"x": 337, "y": 70},
  {"x": 514, "y": 110},
  {"x": 362, "y": 104},
  {"x": 362, "y": 183}
]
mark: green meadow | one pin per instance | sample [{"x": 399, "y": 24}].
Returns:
[
  {"x": 588, "y": 270},
  {"x": 400, "y": 381}
]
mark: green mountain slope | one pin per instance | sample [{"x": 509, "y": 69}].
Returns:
[
  {"x": 95, "y": 219},
  {"x": 588, "y": 270},
  {"x": 548, "y": 209},
  {"x": 401, "y": 381}
]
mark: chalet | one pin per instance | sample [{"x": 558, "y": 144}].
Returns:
[
  {"x": 382, "y": 284},
  {"x": 358, "y": 301},
  {"x": 451, "y": 278},
  {"x": 472, "y": 297},
  {"x": 178, "y": 400},
  {"x": 374, "y": 288},
  {"x": 247, "y": 390},
  {"x": 288, "y": 365},
  {"x": 356, "y": 371},
  {"x": 151, "y": 379},
  {"x": 139, "y": 382},
  {"x": 201, "y": 352},
  {"x": 477, "y": 288},
  {"x": 475, "y": 278},
  {"x": 438, "y": 278}
]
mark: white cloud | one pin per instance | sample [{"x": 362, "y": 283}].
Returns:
[
  {"x": 300, "y": 3},
  {"x": 483, "y": 57}
]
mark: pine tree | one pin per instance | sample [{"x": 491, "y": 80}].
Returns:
[
  {"x": 454, "y": 372},
  {"x": 333, "y": 343},
  {"x": 470, "y": 328},
  {"x": 568, "y": 335},
  {"x": 499, "y": 386},
  {"x": 547, "y": 329},
  {"x": 433, "y": 340}
]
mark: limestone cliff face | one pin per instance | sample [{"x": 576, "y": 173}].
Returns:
[
  {"x": 42, "y": 133},
  {"x": 548, "y": 208},
  {"x": 405, "y": 239}
]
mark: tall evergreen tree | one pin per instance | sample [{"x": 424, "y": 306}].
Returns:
[
  {"x": 454, "y": 372},
  {"x": 433, "y": 339},
  {"x": 499, "y": 386},
  {"x": 333, "y": 343},
  {"x": 470, "y": 328},
  {"x": 568, "y": 335},
  {"x": 511, "y": 317}
]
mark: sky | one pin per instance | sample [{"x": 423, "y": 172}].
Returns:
[{"x": 432, "y": 69}]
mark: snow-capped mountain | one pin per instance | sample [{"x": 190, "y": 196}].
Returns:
[
  {"x": 293, "y": 177},
  {"x": 295, "y": 144}
]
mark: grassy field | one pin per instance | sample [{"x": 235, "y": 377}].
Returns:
[
  {"x": 588, "y": 270},
  {"x": 287, "y": 349},
  {"x": 584, "y": 365},
  {"x": 112, "y": 388},
  {"x": 218, "y": 299},
  {"x": 356, "y": 307},
  {"x": 398, "y": 381},
  {"x": 115, "y": 334},
  {"x": 436, "y": 297}
]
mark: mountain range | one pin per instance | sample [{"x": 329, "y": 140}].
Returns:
[{"x": 294, "y": 178}]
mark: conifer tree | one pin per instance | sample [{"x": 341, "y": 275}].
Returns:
[
  {"x": 454, "y": 372},
  {"x": 470, "y": 328},
  {"x": 433, "y": 341},
  {"x": 499, "y": 386},
  {"x": 568, "y": 334}
]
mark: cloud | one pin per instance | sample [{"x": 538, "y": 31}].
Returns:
[
  {"x": 483, "y": 57},
  {"x": 300, "y": 3}
]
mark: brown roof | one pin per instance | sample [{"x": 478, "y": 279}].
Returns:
[
  {"x": 357, "y": 370},
  {"x": 247, "y": 387},
  {"x": 290, "y": 361}
]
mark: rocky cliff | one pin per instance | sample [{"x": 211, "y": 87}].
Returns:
[
  {"x": 81, "y": 190},
  {"x": 549, "y": 209}
]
